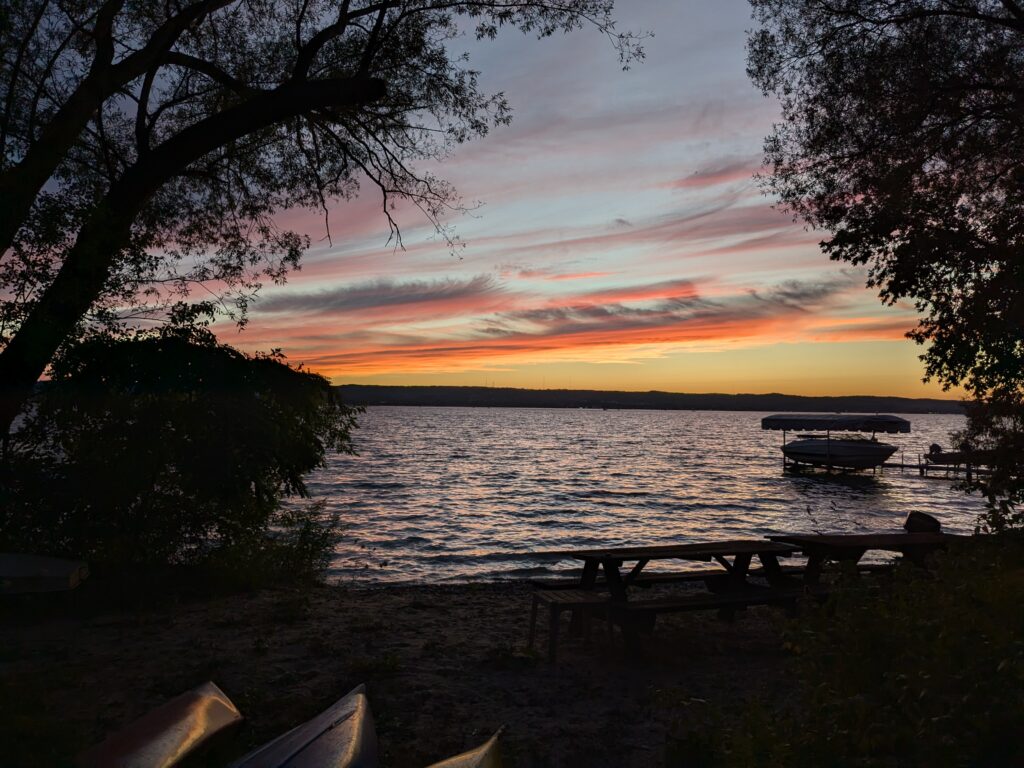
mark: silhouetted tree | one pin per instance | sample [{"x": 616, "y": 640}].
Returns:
[
  {"x": 145, "y": 146},
  {"x": 903, "y": 137},
  {"x": 167, "y": 447}
]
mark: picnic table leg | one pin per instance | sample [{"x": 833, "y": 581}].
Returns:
[
  {"x": 587, "y": 581},
  {"x": 553, "y": 619},
  {"x": 736, "y": 579},
  {"x": 848, "y": 559},
  {"x": 815, "y": 560},
  {"x": 533, "y": 621},
  {"x": 740, "y": 569},
  {"x": 772, "y": 569},
  {"x": 617, "y": 587},
  {"x": 633, "y": 574}
]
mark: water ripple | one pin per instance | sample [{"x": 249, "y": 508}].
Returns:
[{"x": 467, "y": 493}]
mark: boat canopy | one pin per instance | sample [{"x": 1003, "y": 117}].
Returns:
[{"x": 839, "y": 422}]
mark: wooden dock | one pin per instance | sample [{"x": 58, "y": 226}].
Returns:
[
  {"x": 927, "y": 469},
  {"x": 938, "y": 470}
]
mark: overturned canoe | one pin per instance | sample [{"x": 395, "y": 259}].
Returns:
[
  {"x": 20, "y": 573},
  {"x": 487, "y": 755},
  {"x": 342, "y": 736},
  {"x": 166, "y": 735}
]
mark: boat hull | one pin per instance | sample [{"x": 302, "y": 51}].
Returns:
[
  {"x": 342, "y": 736},
  {"x": 842, "y": 454},
  {"x": 487, "y": 755}
]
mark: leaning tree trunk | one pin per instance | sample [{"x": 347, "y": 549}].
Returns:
[
  {"x": 90, "y": 261},
  {"x": 77, "y": 285}
]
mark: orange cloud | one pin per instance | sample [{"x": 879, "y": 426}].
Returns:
[{"x": 403, "y": 333}]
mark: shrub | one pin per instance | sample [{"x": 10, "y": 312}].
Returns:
[
  {"x": 995, "y": 436},
  {"x": 172, "y": 449}
]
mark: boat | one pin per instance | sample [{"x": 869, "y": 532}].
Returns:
[
  {"x": 486, "y": 755},
  {"x": 846, "y": 452},
  {"x": 22, "y": 573},
  {"x": 341, "y": 736},
  {"x": 165, "y": 736}
]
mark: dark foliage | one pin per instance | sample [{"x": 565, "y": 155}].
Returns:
[
  {"x": 995, "y": 433},
  {"x": 903, "y": 137},
  {"x": 167, "y": 449},
  {"x": 929, "y": 672}
]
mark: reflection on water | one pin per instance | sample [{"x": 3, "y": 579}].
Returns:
[{"x": 462, "y": 493}]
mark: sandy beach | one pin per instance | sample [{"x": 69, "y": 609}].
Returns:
[{"x": 444, "y": 668}]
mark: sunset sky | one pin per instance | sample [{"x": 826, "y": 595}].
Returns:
[{"x": 621, "y": 242}]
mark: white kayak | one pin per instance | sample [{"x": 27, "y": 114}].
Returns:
[
  {"x": 486, "y": 755},
  {"x": 342, "y": 736}
]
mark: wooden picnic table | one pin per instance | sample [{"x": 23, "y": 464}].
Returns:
[
  {"x": 734, "y": 557},
  {"x": 729, "y": 589},
  {"x": 848, "y": 549}
]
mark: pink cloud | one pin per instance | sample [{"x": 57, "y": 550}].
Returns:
[{"x": 720, "y": 173}]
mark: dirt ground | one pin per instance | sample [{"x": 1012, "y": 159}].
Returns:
[{"x": 444, "y": 668}]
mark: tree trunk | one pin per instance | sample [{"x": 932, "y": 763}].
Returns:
[{"x": 89, "y": 262}]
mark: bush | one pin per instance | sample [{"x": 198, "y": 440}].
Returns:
[
  {"x": 929, "y": 672},
  {"x": 172, "y": 449},
  {"x": 995, "y": 436}
]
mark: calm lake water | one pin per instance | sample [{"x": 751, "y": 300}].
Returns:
[{"x": 455, "y": 494}]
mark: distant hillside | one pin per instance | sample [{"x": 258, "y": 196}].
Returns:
[{"x": 494, "y": 397}]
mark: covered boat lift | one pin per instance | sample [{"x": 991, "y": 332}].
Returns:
[{"x": 834, "y": 422}]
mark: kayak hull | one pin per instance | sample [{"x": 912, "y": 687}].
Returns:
[
  {"x": 487, "y": 755},
  {"x": 342, "y": 736}
]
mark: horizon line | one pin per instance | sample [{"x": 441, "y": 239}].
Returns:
[{"x": 645, "y": 391}]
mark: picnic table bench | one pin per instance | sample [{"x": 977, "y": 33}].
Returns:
[{"x": 847, "y": 549}]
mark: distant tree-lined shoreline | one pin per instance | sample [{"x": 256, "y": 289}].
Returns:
[{"x": 508, "y": 397}]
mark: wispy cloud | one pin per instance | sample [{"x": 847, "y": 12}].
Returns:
[
  {"x": 648, "y": 320},
  {"x": 382, "y": 293},
  {"x": 721, "y": 172},
  {"x": 666, "y": 289},
  {"x": 805, "y": 296}
]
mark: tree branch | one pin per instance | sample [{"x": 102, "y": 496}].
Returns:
[
  {"x": 212, "y": 71},
  {"x": 371, "y": 43},
  {"x": 12, "y": 85},
  {"x": 307, "y": 53},
  {"x": 1014, "y": 8},
  {"x": 21, "y": 183},
  {"x": 141, "y": 130}
]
